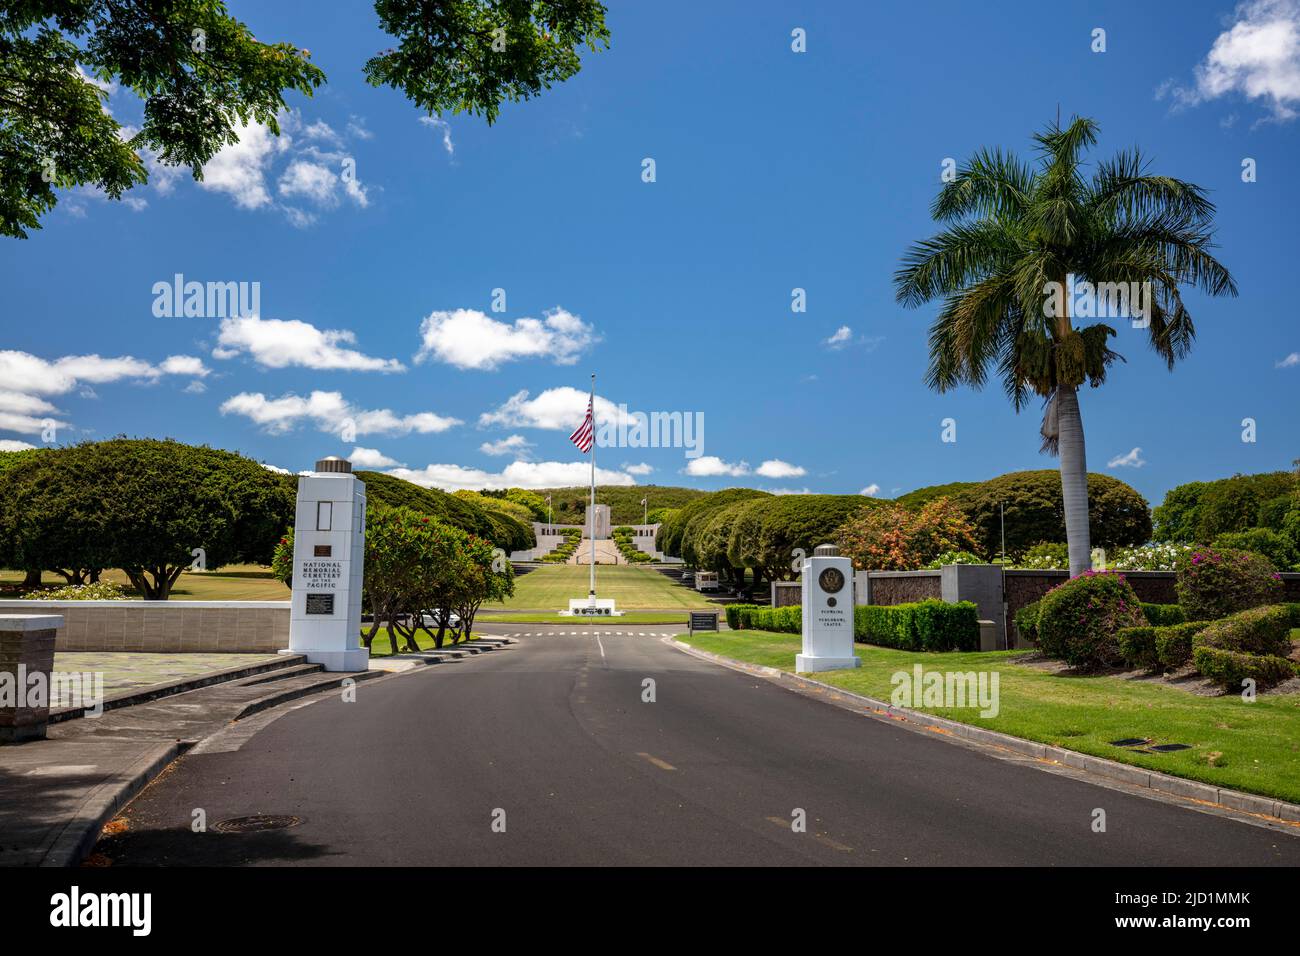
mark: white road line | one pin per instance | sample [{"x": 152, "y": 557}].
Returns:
[{"x": 600, "y": 645}]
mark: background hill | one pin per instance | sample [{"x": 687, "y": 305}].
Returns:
[{"x": 568, "y": 504}]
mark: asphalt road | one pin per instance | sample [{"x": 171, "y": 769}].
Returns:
[{"x": 553, "y": 737}]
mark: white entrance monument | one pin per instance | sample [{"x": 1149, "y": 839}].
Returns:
[
  {"x": 827, "y": 612},
  {"x": 328, "y": 554}
]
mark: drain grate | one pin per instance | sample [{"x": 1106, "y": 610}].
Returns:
[
  {"x": 1129, "y": 742},
  {"x": 257, "y": 823},
  {"x": 1166, "y": 748}
]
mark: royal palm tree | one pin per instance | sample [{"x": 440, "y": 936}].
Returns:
[{"x": 1016, "y": 234}]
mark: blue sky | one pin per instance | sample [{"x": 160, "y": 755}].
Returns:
[{"x": 774, "y": 170}]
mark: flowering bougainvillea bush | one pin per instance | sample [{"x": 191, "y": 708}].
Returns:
[
  {"x": 1215, "y": 582},
  {"x": 1079, "y": 620}
]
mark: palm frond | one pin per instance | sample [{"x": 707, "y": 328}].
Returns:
[{"x": 990, "y": 184}]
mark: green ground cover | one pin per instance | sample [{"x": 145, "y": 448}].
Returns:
[
  {"x": 550, "y": 587},
  {"x": 1245, "y": 746}
]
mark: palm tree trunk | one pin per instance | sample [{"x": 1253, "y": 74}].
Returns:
[{"x": 1074, "y": 479}]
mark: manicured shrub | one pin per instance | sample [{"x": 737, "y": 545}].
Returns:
[
  {"x": 738, "y": 615},
  {"x": 1174, "y": 643},
  {"x": 1229, "y": 668},
  {"x": 1293, "y": 610},
  {"x": 1137, "y": 646},
  {"x": 1026, "y": 621},
  {"x": 1258, "y": 630},
  {"x": 784, "y": 620},
  {"x": 1078, "y": 621},
  {"x": 1215, "y": 582},
  {"x": 929, "y": 625},
  {"x": 1279, "y": 550},
  {"x": 1163, "y": 615}
]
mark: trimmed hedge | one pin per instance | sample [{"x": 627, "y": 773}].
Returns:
[
  {"x": 929, "y": 625},
  {"x": 1259, "y": 630},
  {"x": 1174, "y": 643},
  {"x": 1162, "y": 615},
  {"x": 1026, "y": 621},
  {"x": 1137, "y": 645},
  {"x": 1294, "y": 611},
  {"x": 1157, "y": 648},
  {"x": 785, "y": 620},
  {"x": 1229, "y": 668}
]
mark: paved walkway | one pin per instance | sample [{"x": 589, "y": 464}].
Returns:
[{"x": 128, "y": 671}]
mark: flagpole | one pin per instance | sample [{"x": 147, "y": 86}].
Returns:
[{"x": 592, "y": 510}]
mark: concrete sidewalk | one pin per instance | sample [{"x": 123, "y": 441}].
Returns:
[{"x": 56, "y": 794}]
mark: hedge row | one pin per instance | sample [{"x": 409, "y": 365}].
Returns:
[
  {"x": 1229, "y": 668},
  {"x": 929, "y": 625},
  {"x": 1159, "y": 648}
]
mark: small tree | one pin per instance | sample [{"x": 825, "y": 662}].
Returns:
[{"x": 895, "y": 538}]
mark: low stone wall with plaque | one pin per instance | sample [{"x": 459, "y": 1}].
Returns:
[{"x": 166, "y": 627}]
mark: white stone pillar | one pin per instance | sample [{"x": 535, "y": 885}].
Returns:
[
  {"x": 827, "y": 612},
  {"x": 328, "y": 557}
]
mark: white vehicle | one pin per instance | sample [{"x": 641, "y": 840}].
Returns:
[
  {"x": 706, "y": 580},
  {"x": 431, "y": 619}
]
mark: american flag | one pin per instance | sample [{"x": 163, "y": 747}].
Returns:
[{"x": 585, "y": 433}]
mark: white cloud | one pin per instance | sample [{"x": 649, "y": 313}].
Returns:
[
  {"x": 372, "y": 458},
  {"x": 321, "y": 131},
  {"x": 641, "y": 469},
  {"x": 707, "y": 466},
  {"x": 1258, "y": 56},
  {"x": 842, "y": 337},
  {"x": 357, "y": 128},
  {"x": 275, "y": 468},
  {"x": 776, "y": 468},
  {"x": 443, "y": 126},
  {"x": 23, "y": 404},
  {"x": 195, "y": 388},
  {"x": 870, "y": 491},
  {"x": 30, "y": 374},
  {"x": 1132, "y": 460},
  {"x": 310, "y": 181},
  {"x": 468, "y": 338},
  {"x": 1291, "y": 361},
  {"x": 555, "y": 408},
  {"x": 239, "y": 169},
  {"x": 184, "y": 365},
  {"x": 330, "y": 413},
  {"x": 512, "y": 445},
  {"x": 8, "y": 444},
  {"x": 789, "y": 491},
  {"x": 282, "y": 343},
  {"x": 519, "y": 474}
]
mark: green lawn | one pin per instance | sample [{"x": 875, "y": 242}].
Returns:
[
  {"x": 550, "y": 587},
  {"x": 1245, "y": 746},
  {"x": 632, "y": 617},
  {"x": 238, "y": 582},
  {"x": 383, "y": 645}
]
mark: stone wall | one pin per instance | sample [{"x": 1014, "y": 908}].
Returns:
[
  {"x": 166, "y": 627},
  {"x": 904, "y": 587}
]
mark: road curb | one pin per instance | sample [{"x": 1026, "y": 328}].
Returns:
[
  {"x": 1154, "y": 780},
  {"x": 79, "y": 834}
]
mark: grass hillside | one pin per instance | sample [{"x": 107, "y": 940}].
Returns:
[{"x": 568, "y": 505}]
